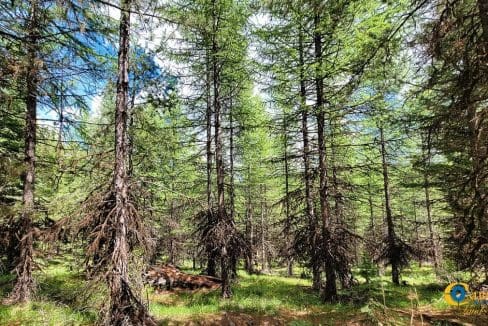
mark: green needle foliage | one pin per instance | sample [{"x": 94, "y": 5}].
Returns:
[{"x": 319, "y": 156}]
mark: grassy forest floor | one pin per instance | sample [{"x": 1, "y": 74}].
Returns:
[{"x": 63, "y": 299}]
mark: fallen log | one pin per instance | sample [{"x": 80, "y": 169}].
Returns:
[{"x": 169, "y": 277}]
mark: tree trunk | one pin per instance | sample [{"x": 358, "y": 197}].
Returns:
[
  {"x": 231, "y": 163},
  {"x": 371, "y": 211},
  {"x": 330, "y": 291},
  {"x": 211, "y": 262},
  {"x": 338, "y": 200},
  {"x": 225, "y": 253},
  {"x": 233, "y": 258},
  {"x": 395, "y": 269},
  {"x": 314, "y": 261},
  {"x": 428, "y": 203},
  {"x": 171, "y": 251},
  {"x": 24, "y": 284},
  {"x": 264, "y": 267},
  {"x": 249, "y": 263},
  {"x": 122, "y": 299},
  {"x": 288, "y": 239}
]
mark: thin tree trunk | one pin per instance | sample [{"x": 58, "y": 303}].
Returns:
[
  {"x": 225, "y": 259},
  {"x": 211, "y": 262},
  {"x": 314, "y": 262},
  {"x": 129, "y": 134},
  {"x": 395, "y": 269},
  {"x": 219, "y": 162},
  {"x": 416, "y": 227},
  {"x": 371, "y": 210},
  {"x": 231, "y": 163},
  {"x": 428, "y": 204},
  {"x": 233, "y": 257},
  {"x": 330, "y": 291},
  {"x": 249, "y": 263},
  {"x": 288, "y": 240},
  {"x": 170, "y": 236},
  {"x": 338, "y": 204},
  {"x": 24, "y": 284},
  {"x": 264, "y": 267}
]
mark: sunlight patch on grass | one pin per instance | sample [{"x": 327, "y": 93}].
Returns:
[{"x": 43, "y": 313}]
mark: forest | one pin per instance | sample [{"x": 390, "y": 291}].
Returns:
[{"x": 243, "y": 162}]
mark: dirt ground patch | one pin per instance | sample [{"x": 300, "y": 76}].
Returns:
[
  {"x": 286, "y": 317},
  {"x": 283, "y": 318}
]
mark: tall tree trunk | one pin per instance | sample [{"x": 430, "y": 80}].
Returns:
[
  {"x": 119, "y": 274},
  {"x": 330, "y": 291},
  {"x": 249, "y": 262},
  {"x": 264, "y": 267},
  {"x": 225, "y": 253},
  {"x": 170, "y": 236},
  {"x": 416, "y": 227},
  {"x": 233, "y": 257},
  {"x": 288, "y": 239},
  {"x": 395, "y": 269},
  {"x": 309, "y": 202},
  {"x": 24, "y": 284},
  {"x": 122, "y": 300},
  {"x": 338, "y": 200},
  {"x": 231, "y": 163},
  {"x": 219, "y": 162},
  {"x": 211, "y": 259},
  {"x": 130, "y": 134},
  {"x": 428, "y": 203}
]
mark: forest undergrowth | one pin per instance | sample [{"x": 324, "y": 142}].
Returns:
[{"x": 64, "y": 297}]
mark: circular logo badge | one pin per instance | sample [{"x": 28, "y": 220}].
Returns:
[{"x": 456, "y": 294}]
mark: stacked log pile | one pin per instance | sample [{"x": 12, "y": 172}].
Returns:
[{"x": 169, "y": 277}]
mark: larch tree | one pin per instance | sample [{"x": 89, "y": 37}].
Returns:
[
  {"x": 455, "y": 95},
  {"x": 24, "y": 284},
  {"x": 111, "y": 219}
]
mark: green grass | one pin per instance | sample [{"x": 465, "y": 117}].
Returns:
[
  {"x": 58, "y": 301},
  {"x": 253, "y": 294},
  {"x": 62, "y": 299}
]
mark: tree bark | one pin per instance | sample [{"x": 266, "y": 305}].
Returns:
[
  {"x": 309, "y": 205},
  {"x": 338, "y": 199},
  {"x": 288, "y": 239},
  {"x": 225, "y": 253},
  {"x": 371, "y": 211},
  {"x": 330, "y": 291},
  {"x": 264, "y": 267},
  {"x": 231, "y": 163},
  {"x": 122, "y": 299},
  {"x": 211, "y": 259},
  {"x": 233, "y": 258},
  {"x": 395, "y": 269},
  {"x": 24, "y": 284},
  {"x": 249, "y": 262},
  {"x": 428, "y": 203}
]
